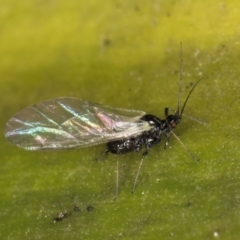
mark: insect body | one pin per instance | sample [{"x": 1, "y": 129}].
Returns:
[
  {"x": 67, "y": 123},
  {"x": 147, "y": 138}
]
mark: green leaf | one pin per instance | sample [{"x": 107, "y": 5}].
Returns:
[{"x": 124, "y": 54}]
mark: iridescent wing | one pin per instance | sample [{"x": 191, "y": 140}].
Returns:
[{"x": 65, "y": 123}]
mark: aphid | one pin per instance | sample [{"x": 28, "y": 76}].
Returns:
[{"x": 67, "y": 123}]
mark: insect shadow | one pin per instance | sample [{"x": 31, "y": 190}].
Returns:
[{"x": 69, "y": 123}]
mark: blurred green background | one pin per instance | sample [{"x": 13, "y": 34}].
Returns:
[{"x": 124, "y": 54}]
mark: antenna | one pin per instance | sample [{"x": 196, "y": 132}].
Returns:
[
  {"x": 184, "y": 105},
  {"x": 180, "y": 86},
  {"x": 180, "y": 79}
]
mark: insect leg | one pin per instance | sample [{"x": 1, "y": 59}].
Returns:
[
  {"x": 139, "y": 168},
  {"x": 167, "y": 141},
  {"x": 117, "y": 175},
  {"x": 105, "y": 151},
  {"x": 168, "y": 133},
  {"x": 189, "y": 152}
]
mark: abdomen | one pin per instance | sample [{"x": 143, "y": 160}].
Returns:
[{"x": 125, "y": 145}]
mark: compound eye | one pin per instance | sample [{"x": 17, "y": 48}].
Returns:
[
  {"x": 173, "y": 124},
  {"x": 173, "y": 121}
]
